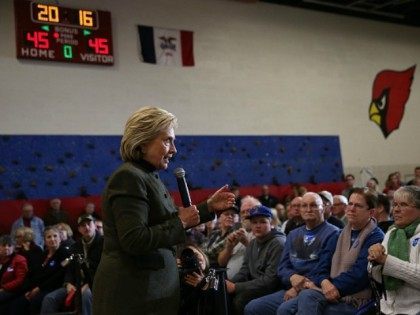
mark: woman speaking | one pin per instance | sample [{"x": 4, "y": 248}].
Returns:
[{"x": 138, "y": 272}]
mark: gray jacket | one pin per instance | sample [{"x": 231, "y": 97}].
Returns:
[{"x": 259, "y": 269}]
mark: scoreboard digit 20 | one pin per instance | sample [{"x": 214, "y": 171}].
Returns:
[{"x": 54, "y": 33}]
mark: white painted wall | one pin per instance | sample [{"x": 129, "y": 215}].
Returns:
[{"x": 260, "y": 69}]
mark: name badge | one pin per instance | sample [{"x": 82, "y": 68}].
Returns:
[{"x": 308, "y": 239}]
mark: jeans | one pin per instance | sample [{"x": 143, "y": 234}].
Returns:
[
  {"x": 53, "y": 301},
  {"x": 265, "y": 305},
  {"x": 314, "y": 302}
]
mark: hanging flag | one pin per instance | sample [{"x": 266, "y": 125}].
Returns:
[{"x": 166, "y": 46}]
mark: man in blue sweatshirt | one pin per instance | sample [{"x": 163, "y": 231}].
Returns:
[{"x": 300, "y": 256}]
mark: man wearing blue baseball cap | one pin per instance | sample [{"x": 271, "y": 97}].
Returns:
[{"x": 257, "y": 276}]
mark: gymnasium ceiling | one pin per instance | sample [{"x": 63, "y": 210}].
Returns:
[{"x": 405, "y": 12}]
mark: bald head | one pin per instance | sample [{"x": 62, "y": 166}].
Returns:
[{"x": 312, "y": 210}]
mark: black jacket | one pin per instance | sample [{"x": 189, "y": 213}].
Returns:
[
  {"x": 50, "y": 275},
  {"x": 90, "y": 263}
]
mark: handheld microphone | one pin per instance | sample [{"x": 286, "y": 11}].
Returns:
[{"x": 182, "y": 187}]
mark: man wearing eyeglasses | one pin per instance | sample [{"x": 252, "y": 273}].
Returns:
[
  {"x": 399, "y": 255},
  {"x": 341, "y": 284},
  {"x": 339, "y": 207},
  {"x": 301, "y": 255}
]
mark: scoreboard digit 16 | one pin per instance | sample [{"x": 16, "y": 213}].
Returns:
[{"x": 54, "y": 33}]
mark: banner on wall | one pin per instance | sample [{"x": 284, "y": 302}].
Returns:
[
  {"x": 164, "y": 46},
  {"x": 390, "y": 92}
]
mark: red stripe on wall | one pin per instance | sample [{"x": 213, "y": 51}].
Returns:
[{"x": 187, "y": 49}]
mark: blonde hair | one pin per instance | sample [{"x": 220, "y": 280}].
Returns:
[
  {"x": 65, "y": 227},
  {"x": 275, "y": 219},
  {"x": 27, "y": 233},
  {"x": 143, "y": 126}
]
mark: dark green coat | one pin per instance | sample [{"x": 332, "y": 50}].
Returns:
[{"x": 138, "y": 273}]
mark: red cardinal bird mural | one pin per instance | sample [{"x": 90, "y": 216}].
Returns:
[{"x": 390, "y": 93}]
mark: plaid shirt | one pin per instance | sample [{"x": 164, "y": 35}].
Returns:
[{"x": 215, "y": 244}]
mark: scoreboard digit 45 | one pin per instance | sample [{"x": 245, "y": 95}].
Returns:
[{"x": 54, "y": 33}]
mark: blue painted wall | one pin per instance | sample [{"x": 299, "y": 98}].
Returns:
[{"x": 48, "y": 166}]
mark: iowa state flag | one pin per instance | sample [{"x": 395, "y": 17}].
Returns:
[{"x": 166, "y": 46}]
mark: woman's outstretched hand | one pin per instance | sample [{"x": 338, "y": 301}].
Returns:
[{"x": 221, "y": 200}]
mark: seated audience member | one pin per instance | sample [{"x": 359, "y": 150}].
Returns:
[
  {"x": 392, "y": 183},
  {"x": 416, "y": 177},
  {"x": 28, "y": 219},
  {"x": 26, "y": 247},
  {"x": 349, "y": 179},
  {"x": 257, "y": 276},
  {"x": 47, "y": 278},
  {"x": 399, "y": 255},
  {"x": 90, "y": 209},
  {"x": 281, "y": 212},
  {"x": 295, "y": 219},
  {"x": 211, "y": 226},
  {"x": 339, "y": 207},
  {"x": 216, "y": 241},
  {"x": 266, "y": 199},
  {"x": 382, "y": 213},
  {"x": 55, "y": 214},
  {"x": 341, "y": 285},
  {"x": 298, "y": 190},
  {"x": 99, "y": 227},
  {"x": 327, "y": 201},
  {"x": 301, "y": 254},
  {"x": 13, "y": 269},
  {"x": 372, "y": 185},
  {"x": 66, "y": 235},
  {"x": 90, "y": 248},
  {"x": 196, "y": 234},
  {"x": 275, "y": 222},
  {"x": 232, "y": 255}
]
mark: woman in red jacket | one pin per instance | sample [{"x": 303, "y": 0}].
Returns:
[{"x": 13, "y": 269}]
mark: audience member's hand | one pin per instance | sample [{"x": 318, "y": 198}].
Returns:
[
  {"x": 221, "y": 200},
  {"x": 330, "y": 291},
  {"x": 290, "y": 294},
  {"x": 242, "y": 237},
  {"x": 230, "y": 286},
  {"x": 193, "y": 279},
  {"x": 70, "y": 287},
  {"x": 377, "y": 253},
  {"x": 189, "y": 216},
  {"x": 31, "y": 294},
  {"x": 297, "y": 281},
  {"x": 231, "y": 240},
  {"x": 310, "y": 285}
]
